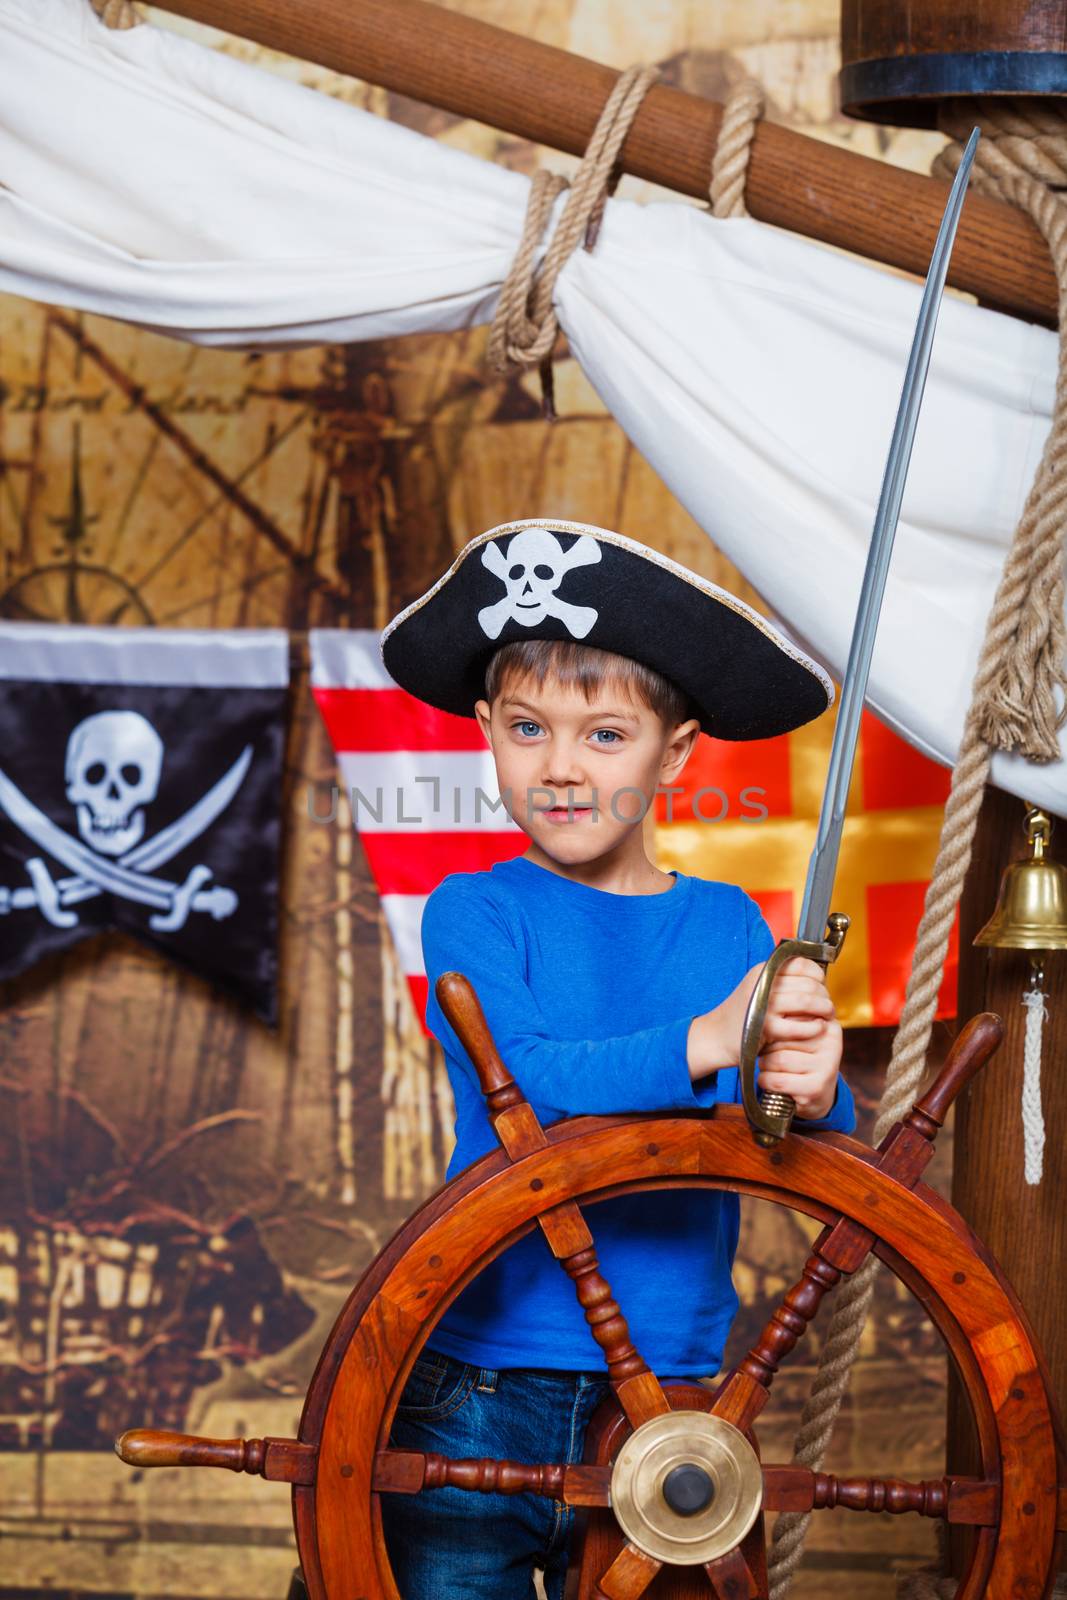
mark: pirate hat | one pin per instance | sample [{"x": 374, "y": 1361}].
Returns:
[{"x": 546, "y": 579}]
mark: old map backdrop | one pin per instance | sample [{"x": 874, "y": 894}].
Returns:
[{"x": 185, "y": 1198}]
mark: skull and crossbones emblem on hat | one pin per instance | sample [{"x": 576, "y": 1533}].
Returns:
[
  {"x": 561, "y": 579},
  {"x": 532, "y": 571}
]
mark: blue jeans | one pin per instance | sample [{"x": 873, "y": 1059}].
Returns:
[{"x": 452, "y": 1544}]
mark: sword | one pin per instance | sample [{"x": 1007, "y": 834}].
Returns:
[{"x": 820, "y": 933}]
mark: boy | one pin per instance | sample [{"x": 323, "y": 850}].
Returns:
[{"x": 608, "y": 986}]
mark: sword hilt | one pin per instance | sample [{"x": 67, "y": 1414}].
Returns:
[{"x": 771, "y": 1114}]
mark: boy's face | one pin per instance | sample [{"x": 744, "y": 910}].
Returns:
[{"x": 579, "y": 775}]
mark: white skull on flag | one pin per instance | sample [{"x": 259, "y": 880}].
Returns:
[{"x": 113, "y": 766}]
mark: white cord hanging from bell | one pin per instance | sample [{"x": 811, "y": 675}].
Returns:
[
  {"x": 1031, "y": 915},
  {"x": 1033, "y": 1121}
]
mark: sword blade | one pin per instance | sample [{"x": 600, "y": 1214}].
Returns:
[{"x": 822, "y": 867}]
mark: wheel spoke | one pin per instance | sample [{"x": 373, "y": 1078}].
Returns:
[
  {"x": 564, "y": 1227},
  {"x": 628, "y": 1576},
  {"x": 744, "y": 1394},
  {"x": 971, "y": 1501},
  {"x": 410, "y": 1472},
  {"x": 731, "y": 1577},
  {"x": 636, "y": 1387}
]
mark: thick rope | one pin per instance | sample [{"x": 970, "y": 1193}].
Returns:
[
  {"x": 117, "y": 13},
  {"x": 851, "y": 1302},
  {"x": 928, "y": 1585},
  {"x": 525, "y": 326},
  {"x": 729, "y": 166},
  {"x": 1017, "y": 704},
  {"x": 1022, "y": 158},
  {"x": 515, "y": 339}
]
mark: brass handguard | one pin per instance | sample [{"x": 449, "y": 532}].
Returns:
[{"x": 770, "y": 1115}]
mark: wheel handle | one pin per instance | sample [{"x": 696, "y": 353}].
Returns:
[{"x": 771, "y": 1114}]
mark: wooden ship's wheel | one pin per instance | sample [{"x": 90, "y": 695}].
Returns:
[{"x": 672, "y": 1481}]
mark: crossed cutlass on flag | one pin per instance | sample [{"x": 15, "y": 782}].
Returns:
[{"x": 130, "y": 876}]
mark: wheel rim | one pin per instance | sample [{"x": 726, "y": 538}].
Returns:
[{"x": 393, "y": 1310}]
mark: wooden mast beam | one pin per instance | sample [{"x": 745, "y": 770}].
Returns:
[{"x": 537, "y": 92}]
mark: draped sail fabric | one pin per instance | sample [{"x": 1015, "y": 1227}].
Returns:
[
  {"x": 140, "y": 789},
  {"x": 160, "y": 182},
  {"x": 422, "y": 790}
]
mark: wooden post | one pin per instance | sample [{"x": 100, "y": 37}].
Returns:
[
  {"x": 552, "y": 97},
  {"x": 901, "y": 60},
  {"x": 1025, "y": 1227}
]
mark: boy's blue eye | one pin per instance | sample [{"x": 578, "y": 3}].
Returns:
[{"x": 529, "y": 730}]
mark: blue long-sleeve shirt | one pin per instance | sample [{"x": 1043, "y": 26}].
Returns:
[{"x": 589, "y": 996}]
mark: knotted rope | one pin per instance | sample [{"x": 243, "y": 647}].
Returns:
[
  {"x": 1022, "y": 158},
  {"x": 729, "y": 165},
  {"x": 1016, "y": 705},
  {"x": 525, "y": 327},
  {"x": 928, "y": 1584},
  {"x": 117, "y": 13}
]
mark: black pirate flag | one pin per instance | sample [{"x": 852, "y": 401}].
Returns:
[{"x": 140, "y": 779}]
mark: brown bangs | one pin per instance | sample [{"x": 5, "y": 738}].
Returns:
[{"x": 583, "y": 666}]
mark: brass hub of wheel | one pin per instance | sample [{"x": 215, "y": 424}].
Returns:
[{"x": 686, "y": 1487}]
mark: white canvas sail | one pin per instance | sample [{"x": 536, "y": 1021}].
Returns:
[{"x": 153, "y": 180}]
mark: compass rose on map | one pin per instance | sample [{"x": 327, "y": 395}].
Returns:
[{"x": 127, "y": 502}]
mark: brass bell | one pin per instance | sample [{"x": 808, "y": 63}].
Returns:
[{"x": 1031, "y": 910}]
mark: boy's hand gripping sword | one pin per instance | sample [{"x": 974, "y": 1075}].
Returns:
[{"x": 820, "y": 934}]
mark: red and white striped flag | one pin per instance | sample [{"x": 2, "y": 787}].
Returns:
[
  {"x": 424, "y": 797},
  {"x": 421, "y": 784}
]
